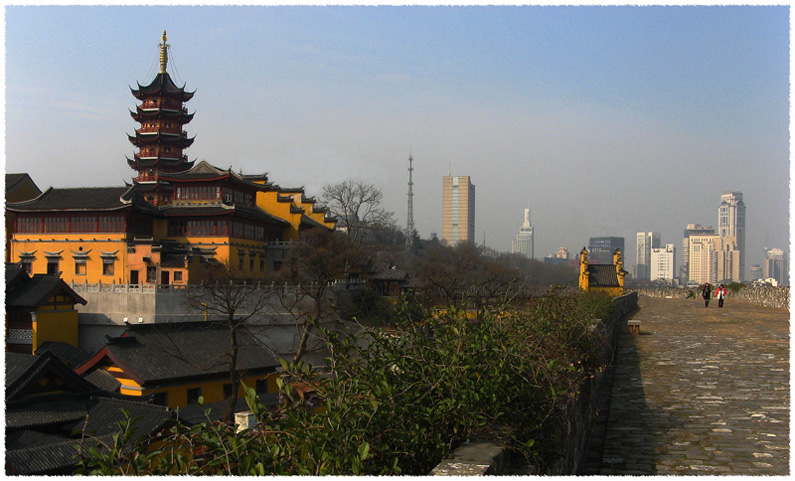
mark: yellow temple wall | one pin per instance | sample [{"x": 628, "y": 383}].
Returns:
[
  {"x": 66, "y": 244},
  {"x": 55, "y": 325}
]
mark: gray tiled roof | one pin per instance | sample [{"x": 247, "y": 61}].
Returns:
[
  {"x": 23, "y": 371},
  {"x": 168, "y": 351},
  {"x": 14, "y": 274},
  {"x": 69, "y": 354},
  {"x": 602, "y": 275},
  {"x": 13, "y": 179},
  {"x": 17, "y": 364},
  {"x": 103, "y": 380},
  {"x": 32, "y": 452},
  {"x": 38, "y": 289},
  {"x": 46, "y": 413},
  {"x": 80, "y": 198}
]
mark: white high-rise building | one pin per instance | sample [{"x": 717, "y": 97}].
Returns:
[
  {"x": 646, "y": 241},
  {"x": 731, "y": 222},
  {"x": 523, "y": 244},
  {"x": 661, "y": 263}
]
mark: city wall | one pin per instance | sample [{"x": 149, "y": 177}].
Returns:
[
  {"x": 571, "y": 424},
  {"x": 777, "y": 297}
]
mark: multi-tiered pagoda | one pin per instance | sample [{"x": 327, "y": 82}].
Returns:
[
  {"x": 174, "y": 220},
  {"x": 160, "y": 139}
]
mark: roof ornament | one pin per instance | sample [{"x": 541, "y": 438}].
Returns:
[{"x": 164, "y": 53}]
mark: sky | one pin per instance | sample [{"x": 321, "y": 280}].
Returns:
[{"x": 603, "y": 120}]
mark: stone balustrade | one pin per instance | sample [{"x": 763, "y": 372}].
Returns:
[{"x": 777, "y": 297}]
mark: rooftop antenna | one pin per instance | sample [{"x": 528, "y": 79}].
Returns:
[{"x": 410, "y": 221}]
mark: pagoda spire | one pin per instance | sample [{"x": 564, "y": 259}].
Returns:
[{"x": 164, "y": 53}]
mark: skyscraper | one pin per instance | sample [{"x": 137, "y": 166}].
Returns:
[
  {"x": 458, "y": 210},
  {"x": 646, "y": 241},
  {"x": 731, "y": 222},
  {"x": 523, "y": 244}
]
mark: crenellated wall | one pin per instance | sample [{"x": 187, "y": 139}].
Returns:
[
  {"x": 571, "y": 425},
  {"x": 777, "y": 297}
]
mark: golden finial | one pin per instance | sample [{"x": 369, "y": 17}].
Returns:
[{"x": 163, "y": 53}]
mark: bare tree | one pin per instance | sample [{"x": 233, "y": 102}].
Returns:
[
  {"x": 358, "y": 205},
  {"x": 231, "y": 303},
  {"x": 321, "y": 259}
]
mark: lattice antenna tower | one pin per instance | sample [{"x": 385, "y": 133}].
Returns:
[{"x": 410, "y": 216}]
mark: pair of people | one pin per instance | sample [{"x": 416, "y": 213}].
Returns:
[{"x": 706, "y": 294}]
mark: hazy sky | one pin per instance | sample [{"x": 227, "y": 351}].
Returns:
[{"x": 604, "y": 121}]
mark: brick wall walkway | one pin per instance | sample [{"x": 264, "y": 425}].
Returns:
[{"x": 701, "y": 391}]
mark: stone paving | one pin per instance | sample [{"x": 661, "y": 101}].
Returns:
[{"x": 700, "y": 391}]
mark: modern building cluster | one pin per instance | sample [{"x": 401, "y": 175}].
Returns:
[{"x": 717, "y": 256}]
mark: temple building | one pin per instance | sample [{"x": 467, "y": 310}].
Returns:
[{"x": 174, "y": 219}]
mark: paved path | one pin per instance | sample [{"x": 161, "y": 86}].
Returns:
[{"x": 701, "y": 391}]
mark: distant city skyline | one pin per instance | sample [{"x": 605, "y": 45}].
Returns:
[{"x": 603, "y": 135}]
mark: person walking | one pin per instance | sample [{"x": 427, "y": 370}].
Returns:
[
  {"x": 706, "y": 293},
  {"x": 720, "y": 293}
]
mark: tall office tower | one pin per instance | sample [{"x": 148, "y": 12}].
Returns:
[
  {"x": 731, "y": 222},
  {"x": 646, "y": 241},
  {"x": 661, "y": 263},
  {"x": 690, "y": 230},
  {"x": 458, "y": 210},
  {"x": 601, "y": 249},
  {"x": 776, "y": 266},
  {"x": 523, "y": 244},
  {"x": 410, "y": 216}
]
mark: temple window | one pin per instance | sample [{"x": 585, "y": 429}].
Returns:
[
  {"x": 80, "y": 267},
  {"x": 194, "y": 394},
  {"x": 52, "y": 265},
  {"x": 108, "y": 267}
]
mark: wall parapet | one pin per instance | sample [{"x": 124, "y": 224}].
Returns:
[
  {"x": 573, "y": 425},
  {"x": 777, "y": 297}
]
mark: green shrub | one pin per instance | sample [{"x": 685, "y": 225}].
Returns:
[{"x": 400, "y": 402}]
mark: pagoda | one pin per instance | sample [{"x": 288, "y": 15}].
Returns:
[{"x": 160, "y": 139}]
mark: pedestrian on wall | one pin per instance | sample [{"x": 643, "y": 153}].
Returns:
[
  {"x": 706, "y": 293},
  {"x": 720, "y": 293}
]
